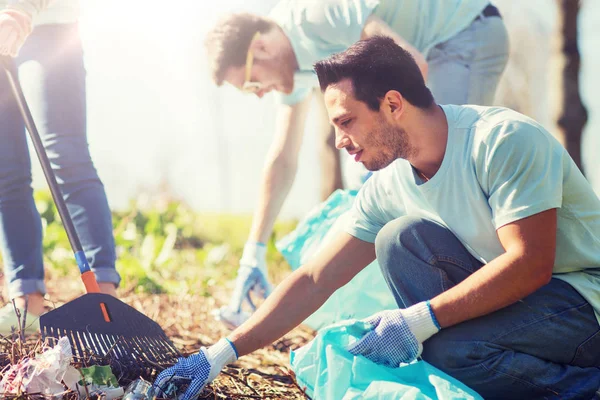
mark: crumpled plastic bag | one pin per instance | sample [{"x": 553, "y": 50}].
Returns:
[
  {"x": 43, "y": 374},
  {"x": 328, "y": 372},
  {"x": 366, "y": 294}
]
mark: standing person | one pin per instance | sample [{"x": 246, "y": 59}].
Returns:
[
  {"x": 460, "y": 47},
  {"x": 44, "y": 39},
  {"x": 485, "y": 230}
]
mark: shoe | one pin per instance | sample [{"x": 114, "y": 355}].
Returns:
[
  {"x": 9, "y": 321},
  {"x": 230, "y": 318}
]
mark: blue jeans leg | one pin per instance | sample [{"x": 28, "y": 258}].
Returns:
[
  {"x": 466, "y": 68},
  {"x": 51, "y": 67},
  {"x": 20, "y": 225},
  {"x": 542, "y": 347}
]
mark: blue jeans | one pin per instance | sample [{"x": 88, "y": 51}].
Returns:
[
  {"x": 466, "y": 68},
  {"x": 53, "y": 75},
  {"x": 545, "y": 346}
]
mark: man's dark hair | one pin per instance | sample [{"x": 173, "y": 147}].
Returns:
[
  {"x": 375, "y": 66},
  {"x": 228, "y": 42}
]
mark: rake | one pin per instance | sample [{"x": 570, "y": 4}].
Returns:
[{"x": 99, "y": 327}]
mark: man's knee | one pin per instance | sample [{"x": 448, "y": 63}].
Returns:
[{"x": 399, "y": 236}]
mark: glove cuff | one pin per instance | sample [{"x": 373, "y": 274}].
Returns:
[
  {"x": 222, "y": 353},
  {"x": 421, "y": 321},
  {"x": 254, "y": 254},
  {"x": 219, "y": 355}
]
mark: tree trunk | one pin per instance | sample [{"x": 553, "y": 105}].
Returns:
[{"x": 573, "y": 114}]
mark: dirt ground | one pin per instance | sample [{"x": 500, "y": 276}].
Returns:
[{"x": 186, "y": 319}]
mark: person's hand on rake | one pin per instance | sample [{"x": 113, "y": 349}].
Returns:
[
  {"x": 252, "y": 277},
  {"x": 196, "y": 370},
  {"x": 15, "y": 26},
  {"x": 397, "y": 336}
]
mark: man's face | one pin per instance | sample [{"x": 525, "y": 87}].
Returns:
[
  {"x": 265, "y": 71},
  {"x": 370, "y": 136}
]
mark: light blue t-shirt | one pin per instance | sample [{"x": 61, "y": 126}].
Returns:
[
  {"x": 318, "y": 29},
  {"x": 499, "y": 167}
]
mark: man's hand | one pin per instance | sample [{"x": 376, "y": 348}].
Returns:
[
  {"x": 197, "y": 370},
  {"x": 397, "y": 336},
  {"x": 15, "y": 26},
  {"x": 252, "y": 276}
]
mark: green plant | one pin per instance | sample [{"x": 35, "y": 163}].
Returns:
[{"x": 165, "y": 248}]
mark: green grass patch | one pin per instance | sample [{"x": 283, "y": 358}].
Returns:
[{"x": 165, "y": 248}]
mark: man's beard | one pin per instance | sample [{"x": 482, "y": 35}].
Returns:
[{"x": 387, "y": 143}]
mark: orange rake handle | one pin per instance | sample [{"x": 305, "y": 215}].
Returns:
[
  {"x": 90, "y": 283},
  {"x": 91, "y": 286}
]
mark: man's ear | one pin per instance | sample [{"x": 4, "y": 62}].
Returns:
[
  {"x": 260, "y": 47},
  {"x": 393, "y": 103}
]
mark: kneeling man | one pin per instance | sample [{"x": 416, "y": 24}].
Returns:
[{"x": 486, "y": 232}]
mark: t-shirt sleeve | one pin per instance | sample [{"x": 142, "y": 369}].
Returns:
[
  {"x": 367, "y": 216},
  {"x": 522, "y": 172},
  {"x": 321, "y": 29}
]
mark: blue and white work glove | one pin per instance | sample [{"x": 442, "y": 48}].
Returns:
[
  {"x": 197, "y": 370},
  {"x": 397, "y": 336},
  {"x": 252, "y": 276}
]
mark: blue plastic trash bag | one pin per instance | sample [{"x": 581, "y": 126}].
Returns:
[
  {"x": 366, "y": 294},
  {"x": 300, "y": 245},
  {"x": 328, "y": 372}
]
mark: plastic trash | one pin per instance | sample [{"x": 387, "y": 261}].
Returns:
[
  {"x": 139, "y": 389},
  {"x": 328, "y": 372},
  {"x": 366, "y": 294},
  {"x": 100, "y": 392},
  {"x": 44, "y": 374}
]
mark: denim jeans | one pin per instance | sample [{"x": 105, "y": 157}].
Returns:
[
  {"x": 53, "y": 75},
  {"x": 466, "y": 68},
  {"x": 545, "y": 346}
]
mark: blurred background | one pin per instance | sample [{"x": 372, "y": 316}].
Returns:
[{"x": 157, "y": 123}]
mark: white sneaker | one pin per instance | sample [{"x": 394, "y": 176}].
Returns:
[
  {"x": 230, "y": 318},
  {"x": 10, "y": 322}
]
